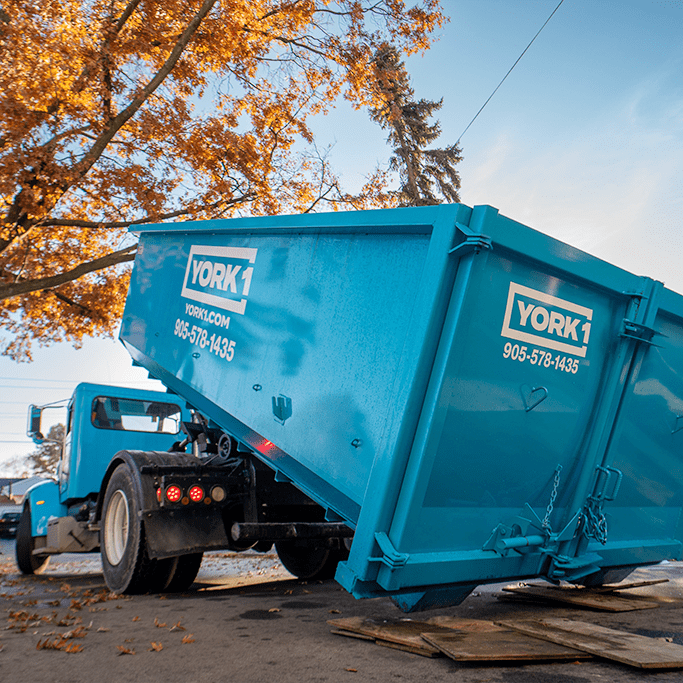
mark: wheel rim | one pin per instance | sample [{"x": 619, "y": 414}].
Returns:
[{"x": 116, "y": 527}]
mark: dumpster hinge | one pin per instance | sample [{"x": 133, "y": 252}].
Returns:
[
  {"x": 643, "y": 333},
  {"x": 473, "y": 243},
  {"x": 390, "y": 556}
]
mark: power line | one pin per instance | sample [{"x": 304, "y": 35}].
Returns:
[
  {"x": 18, "y": 386},
  {"x": 509, "y": 72},
  {"x": 31, "y": 379}
]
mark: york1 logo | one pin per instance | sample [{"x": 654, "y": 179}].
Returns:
[
  {"x": 544, "y": 320},
  {"x": 219, "y": 276}
]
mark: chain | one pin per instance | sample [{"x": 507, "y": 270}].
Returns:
[
  {"x": 553, "y": 496},
  {"x": 596, "y": 522}
]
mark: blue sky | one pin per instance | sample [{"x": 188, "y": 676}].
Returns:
[{"x": 584, "y": 142}]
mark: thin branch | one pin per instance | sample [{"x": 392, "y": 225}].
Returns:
[
  {"x": 65, "y": 299},
  {"x": 68, "y": 223}
]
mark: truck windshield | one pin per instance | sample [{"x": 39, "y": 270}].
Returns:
[{"x": 134, "y": 415}]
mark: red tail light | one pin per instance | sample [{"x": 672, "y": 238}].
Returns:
[
  {"x": 196, "y": 494},
  {"x": 174, "y": 493}
]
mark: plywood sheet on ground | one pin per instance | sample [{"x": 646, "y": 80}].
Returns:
[
  {"x": 503, "y": 645},
  {"x": 407, "y": 633},
  {"x": 608, "y": 602},
  {"x": 612, "y": 588},
  {"x": 620, "y": 646}
]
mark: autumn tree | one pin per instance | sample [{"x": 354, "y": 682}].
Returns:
[
  {"x": 120, "y": 112},
  {"x": 44, "y": 460},
  {"x": 427, "y": 176}
]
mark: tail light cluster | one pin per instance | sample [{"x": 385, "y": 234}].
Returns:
[{"x": 172, "y": 493}]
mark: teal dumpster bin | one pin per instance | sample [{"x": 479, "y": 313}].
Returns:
[{"x": 478, "y": 401}]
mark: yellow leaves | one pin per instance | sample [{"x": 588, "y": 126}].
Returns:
[
  {"x": 223, "y": 132},
  {"x": 187, "y": 639},
  {"x": 156, "y": 647}
]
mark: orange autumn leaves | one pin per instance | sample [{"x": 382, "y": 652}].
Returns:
[{"x": 113, "y": 113}]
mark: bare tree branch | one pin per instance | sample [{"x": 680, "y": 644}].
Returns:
[
  {"x": 28, "y": 286},
  {"x": 146, "y": 220}
]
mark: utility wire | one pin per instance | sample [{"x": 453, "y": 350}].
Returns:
[
  {"x": 32, "y": 379},
  {"x": 509, "y": 72}
]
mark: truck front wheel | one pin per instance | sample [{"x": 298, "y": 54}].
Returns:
[
  {"x": 27, "y": 562},
  {"x": 126, "y": 564}
]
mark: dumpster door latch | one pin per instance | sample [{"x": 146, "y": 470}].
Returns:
[
  {"x": 390, "y": 556},
  {"x": 608, "y": 482}
]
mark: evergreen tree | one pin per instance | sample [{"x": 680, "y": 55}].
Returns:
[{"x": 428, "y": 176}]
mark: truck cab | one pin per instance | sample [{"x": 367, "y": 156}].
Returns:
[{"x": 101, "y": 421}]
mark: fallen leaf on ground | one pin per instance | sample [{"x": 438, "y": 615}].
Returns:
[
  {"x": 156, "y": 647},
  {"x": 71, "y": 648},
  {"x": 188, "y": 638},
  {"x": 159, "y": 624},
  {"x": 124, "y": 650},
  {"x": 177, "y": 627}
]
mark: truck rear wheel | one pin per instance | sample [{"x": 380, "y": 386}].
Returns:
[
  {"x": 126, "y": 564},
  {"x": 27, "y": 562},
  {"x": 308, "y": 561}
]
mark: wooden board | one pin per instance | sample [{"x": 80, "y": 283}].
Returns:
[
  {"x": 503, "y": 645},
  {"x": 612, "y": 588},
  {"x": 608, "y": 602},
  {"x": 350, "y": 634},
  {"x": 407, "y": 633},
  {"x": 620, "y": 646},
  {"x": 413, "y": 650}
]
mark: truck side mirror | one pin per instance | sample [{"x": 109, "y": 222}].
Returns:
[{"x": 33, "y": 429}]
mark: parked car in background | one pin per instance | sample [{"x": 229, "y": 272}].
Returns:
[{"x": 9, "y": 521}]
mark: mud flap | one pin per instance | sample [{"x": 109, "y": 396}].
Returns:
[{"x": 179, "y": 533}]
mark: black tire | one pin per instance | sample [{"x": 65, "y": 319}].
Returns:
[
  {"x": 126, "y": 564},
  {"x": 27, "y": 562},
  {"x": 183, "y": 572},
  {"x": 309, "y": 562}
]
